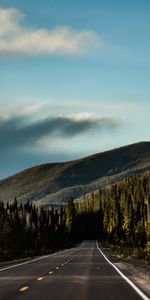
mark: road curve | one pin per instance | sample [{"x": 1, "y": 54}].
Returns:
[{"x": 81, "y": 273}]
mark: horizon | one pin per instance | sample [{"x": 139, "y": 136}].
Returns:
[
  {"x": 68, "y": 161},
  {"x": 74, "y": 80}
]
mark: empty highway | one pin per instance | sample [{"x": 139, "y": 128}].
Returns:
[{"x": 75, "y": 274}]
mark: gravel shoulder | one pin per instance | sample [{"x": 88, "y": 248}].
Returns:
[{"x": 137, "y": 270}]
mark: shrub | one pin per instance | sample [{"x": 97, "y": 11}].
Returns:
[{"x": 147, "y": 251}]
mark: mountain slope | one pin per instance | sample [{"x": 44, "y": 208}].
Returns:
[{"x": 54, "y": 183}]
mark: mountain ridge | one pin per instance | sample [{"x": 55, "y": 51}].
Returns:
[{"x": 55, "y": 182}]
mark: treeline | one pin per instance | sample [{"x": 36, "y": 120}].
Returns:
[
  {"x": 123, "y": 213},
  {"x": 118, "y": 216},
  {"x": 26, "y": 230}
]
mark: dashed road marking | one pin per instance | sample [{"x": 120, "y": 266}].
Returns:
[
  {"x": 40, "y": 278},
  {"x": 50, "y": 272},
  {"x": 36, "y": 259},
  {"x": 23, "y": 289}
]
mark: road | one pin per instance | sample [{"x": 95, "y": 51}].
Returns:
[{"x": 76, "y": 274}]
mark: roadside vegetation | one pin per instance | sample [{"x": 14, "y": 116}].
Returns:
[{"x": 118, "y": 216}]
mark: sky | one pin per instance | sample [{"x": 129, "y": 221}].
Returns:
[{"x": 74, "y": 79}]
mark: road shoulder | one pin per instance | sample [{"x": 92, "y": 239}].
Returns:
[{"x": 138, "y": 271}]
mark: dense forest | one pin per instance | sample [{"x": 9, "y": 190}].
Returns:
[{"x": 118, "y": 215}]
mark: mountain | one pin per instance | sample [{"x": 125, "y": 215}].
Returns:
[{"x": 54, "y": 183}]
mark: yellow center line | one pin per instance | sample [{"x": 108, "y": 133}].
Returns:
[
  {"x": 51, "y": 272},
  {"x": 23, "y": 289},
  {"x": 40, "y": 278}
]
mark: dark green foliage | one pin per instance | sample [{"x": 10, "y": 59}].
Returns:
[
  {"x": 26, "y": 230},
  {"x": 124, "y": 213},
  {"x": 119, "y": 215}
]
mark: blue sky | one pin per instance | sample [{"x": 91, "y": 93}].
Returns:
[{"x": 74, "y": 79}]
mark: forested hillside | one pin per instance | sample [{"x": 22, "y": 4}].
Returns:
[
  {"x": 54, "y": 183},
  {"x": 119, "y": 215}
]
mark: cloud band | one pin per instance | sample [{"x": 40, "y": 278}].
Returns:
[
  {"x": 15, "y": 38},
  {"x": 19, "y": 132}
]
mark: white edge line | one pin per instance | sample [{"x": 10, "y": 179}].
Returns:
[
  {"x": 24, "y": 263},
  {"x": 33, "y": 260},
  {"x": 142, "y": 295}
]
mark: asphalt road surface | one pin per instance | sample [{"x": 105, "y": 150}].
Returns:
[{"x": 81, "y": 273}]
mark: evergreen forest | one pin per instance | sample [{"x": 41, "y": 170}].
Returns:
[{"x": 118, "y": 216}]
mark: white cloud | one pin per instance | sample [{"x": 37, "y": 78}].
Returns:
[
  {"x": 32, "y": 110},
  {"x": 83, "y": 116},
  {"x": 15, "y": 38},
  {"x": 76, "y": 110}
]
